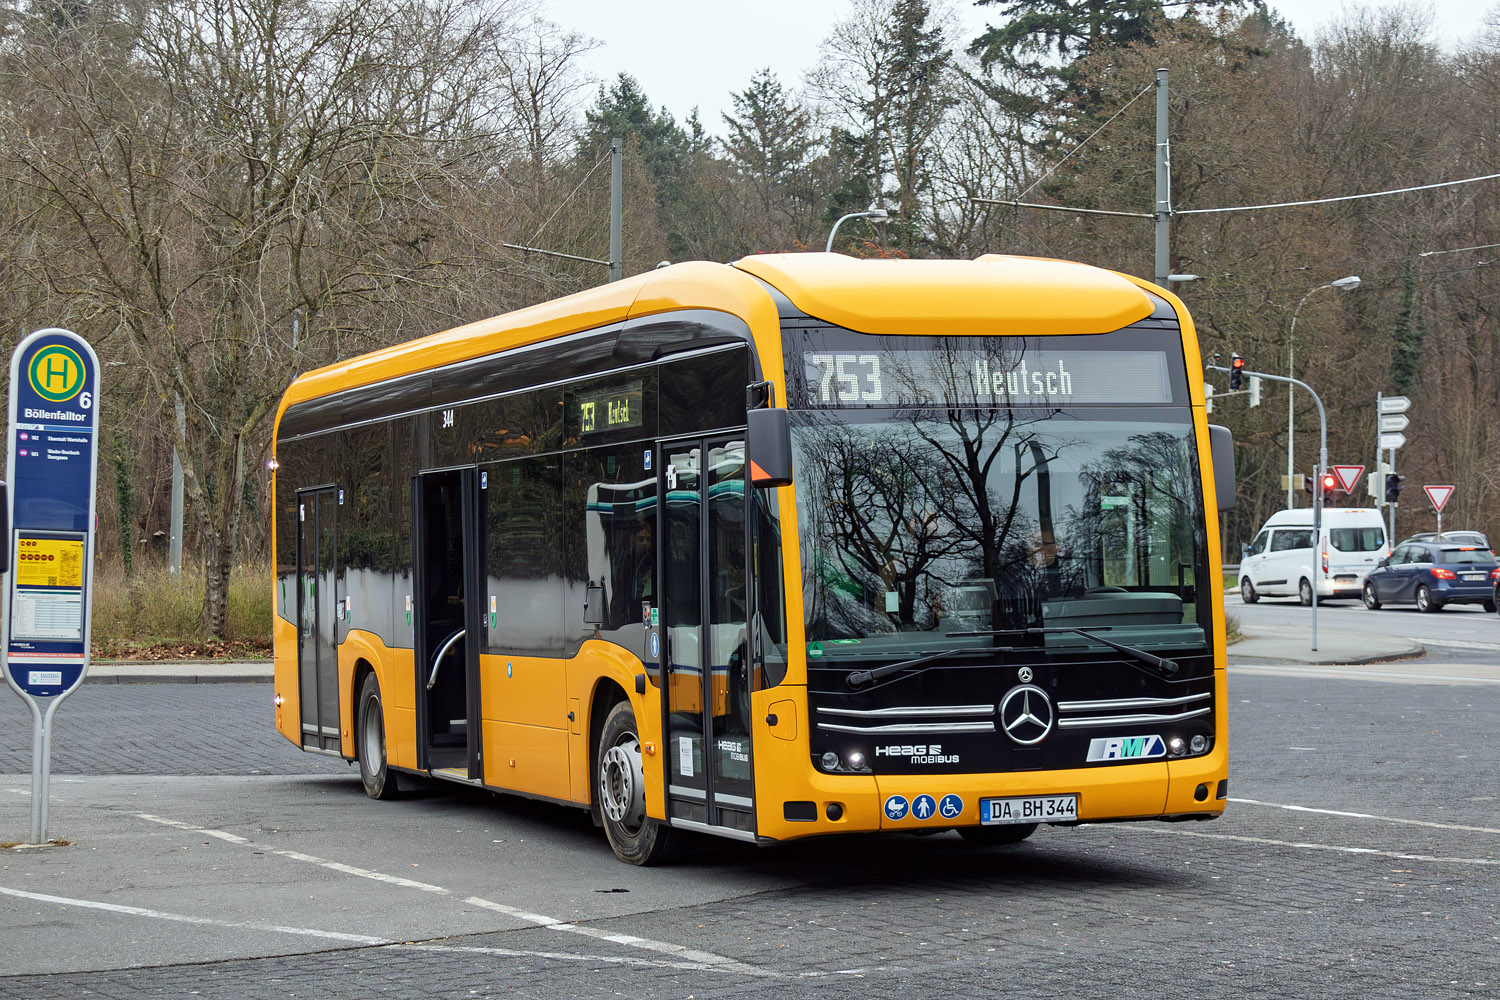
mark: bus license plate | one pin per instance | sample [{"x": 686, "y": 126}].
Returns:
[{"x": 1029, "y": 809}]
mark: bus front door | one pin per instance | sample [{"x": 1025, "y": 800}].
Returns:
[
  {"x": 707, "y": 711},
  {"x": 319, "y": 610},
  {"x": 447, "y": 532}
]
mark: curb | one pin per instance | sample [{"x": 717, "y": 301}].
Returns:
[{"x": 1413, "y": 653}]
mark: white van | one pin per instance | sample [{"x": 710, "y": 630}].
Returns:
[{"x": 1286, "y": 560}]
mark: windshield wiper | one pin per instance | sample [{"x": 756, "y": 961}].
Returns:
[
  {"x": 859, "y": 678},
  {"x": 1162, "y": 663}
]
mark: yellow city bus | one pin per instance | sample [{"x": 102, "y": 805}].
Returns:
[{"x": 793, "y": 546}]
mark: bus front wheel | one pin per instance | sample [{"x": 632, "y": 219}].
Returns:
[
  {"x": 636, "y": 838},
  {"x": 379, "y": 781},
  {"x": 991, "y": 836}
]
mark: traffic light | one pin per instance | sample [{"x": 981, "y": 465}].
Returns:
[
  {"x": 1393, "y": 488},
  {"x": 1254, "y": 390},
  {"x": 1330, "y": 483},
  {"x": 1236, "y": 372}
]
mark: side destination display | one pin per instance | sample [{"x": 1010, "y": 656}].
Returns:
[{"x": 54, "y": 418}]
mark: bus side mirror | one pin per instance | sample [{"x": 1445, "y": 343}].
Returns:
[
  {"x": 593, "y": 606},
  {"x": 769, "y": 433},
  {"x": 1221, "y": 448}
]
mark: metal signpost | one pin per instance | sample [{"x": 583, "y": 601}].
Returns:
[
  {"x": 51, "y": 468},
  {"x": 1390, "y": 421},
  {"x": 1439, "y": 496}
]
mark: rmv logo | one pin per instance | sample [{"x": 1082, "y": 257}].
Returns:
[{"x": 56, "y": 373}]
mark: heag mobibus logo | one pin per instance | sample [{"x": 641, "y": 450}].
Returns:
[
  {"x": 920, "y": 753},
  {"x": 56, "y": 373}
]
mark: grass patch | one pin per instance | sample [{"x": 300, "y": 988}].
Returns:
[{"x": 157, "y": 616}]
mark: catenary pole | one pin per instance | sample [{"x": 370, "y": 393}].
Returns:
[
  {"x": 1163, "y": 184},
  {"x": 616, "y": 183}
]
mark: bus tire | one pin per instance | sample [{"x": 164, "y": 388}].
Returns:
[
  {"x": 379, "y": 780},
  {"x": 995, "y": 836},
  {"x": 636, "y": 838}
]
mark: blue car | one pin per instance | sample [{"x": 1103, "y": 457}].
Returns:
[{"x": 1432, "y": 574}]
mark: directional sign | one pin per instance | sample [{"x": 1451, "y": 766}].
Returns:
[
  {"x": 1392, "y": 422},
  {"x": 1394, "y": 404},
  {"x": 1348, "y": 476},
  {"x": 1388, "y": 441},
  {"x": 1439, "y": 496},
  {"x": 53, "y": 436}
]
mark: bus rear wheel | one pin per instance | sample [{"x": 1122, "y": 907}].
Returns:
[
  {"x": 636, "y": 838},
  {"x": 379, "y": 780},
  {"x": 994, "y": 836}
]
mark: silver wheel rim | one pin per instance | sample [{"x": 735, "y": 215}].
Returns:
[
  {"x": 1306, "y": 593},
  {"x": 622, "y": 787},
  {"x": 1369, "y": 595},
  {"x": 1245, "y": 589},
  {"x": 374, "y": 736},
  {"x": 1422, "y": 599}
]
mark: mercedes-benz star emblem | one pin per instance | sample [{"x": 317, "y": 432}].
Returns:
[
  {"x": 1026, "y": 714},
  {"x": 1024, "y": 675}
]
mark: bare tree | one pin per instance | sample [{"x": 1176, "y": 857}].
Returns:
[{"x": 241, "y": 189}]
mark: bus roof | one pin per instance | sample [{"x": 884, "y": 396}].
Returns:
[{"x": 995, "y": 294}]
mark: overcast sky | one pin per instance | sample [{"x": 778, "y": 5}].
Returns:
[{"x": 695, "y": 53}]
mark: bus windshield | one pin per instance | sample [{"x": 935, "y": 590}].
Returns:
[{"x": 918, "y": 525}]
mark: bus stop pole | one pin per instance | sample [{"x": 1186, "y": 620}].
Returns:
[{"x": 1317, "y": 482}]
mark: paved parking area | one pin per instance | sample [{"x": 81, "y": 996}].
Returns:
[{"x": 1361, "y": 857}]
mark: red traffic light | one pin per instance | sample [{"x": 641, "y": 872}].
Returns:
[{"x": 1237, "y": 361}]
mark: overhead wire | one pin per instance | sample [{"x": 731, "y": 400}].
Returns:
[
  {"x": 1086, "y": 140},
  {"x": 1346, "y": 197}
]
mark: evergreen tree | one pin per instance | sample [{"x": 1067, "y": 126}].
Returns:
[
  {"x": 915, "y": 101},
  {"x": 769, "y": 145},
  {"x": 1042, "y": 41},
  {"x": 1407, "y": 335}
]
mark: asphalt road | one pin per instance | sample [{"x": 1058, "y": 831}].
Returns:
[
  {"x": 1462, "y": 632},
  {"x": 1360, "y": 856}
]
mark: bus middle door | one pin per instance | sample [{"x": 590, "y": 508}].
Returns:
[{"x": 705, "y": 659}]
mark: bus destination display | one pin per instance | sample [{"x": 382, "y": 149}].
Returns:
[
  {"x": 984, "y": 377},
  {"x": 610, "y": 411}
]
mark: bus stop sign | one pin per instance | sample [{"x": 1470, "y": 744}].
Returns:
[{"x": 53, "y": 440}]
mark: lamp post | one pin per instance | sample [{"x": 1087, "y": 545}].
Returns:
[
  {"x": 872, "y": 213},
  {"x": 1347, "y": 284}
]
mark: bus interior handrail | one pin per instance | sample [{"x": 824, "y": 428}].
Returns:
[{"x": 442, "y": 652}]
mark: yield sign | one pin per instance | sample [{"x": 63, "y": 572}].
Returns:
[
  {"x": 1438, "y": 495},
  {"x": 1348, "y": 476}
]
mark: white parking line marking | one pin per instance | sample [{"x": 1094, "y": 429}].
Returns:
[
  {"x": 704, "y": 958},
  {"x": 700, "y": 959},
  {"x": 1355, "y": 815},
  {"x": 358, "y": 939},
  {"x": 1398, "y": 855},
  {"x": 138, "y": 911}
]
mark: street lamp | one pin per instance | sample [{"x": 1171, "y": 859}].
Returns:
[
  {"x": 872, "y": 213},
  {"x": 1347, "y": 284}
]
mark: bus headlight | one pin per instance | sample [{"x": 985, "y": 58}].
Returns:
[
  {"x": 855, "y": 760},
  {"x": 1176, "y": 747},
  {"x": 830, "y": 760},
  {"x": 1199, "y": 743}
]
